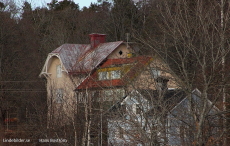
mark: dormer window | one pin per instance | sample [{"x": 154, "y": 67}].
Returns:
[
  {"x": 59, "y": 71},
  {"x": 109, "y": 74},
  {"x": 103, "y": 75},
  {"x": 115, "y": 74}
]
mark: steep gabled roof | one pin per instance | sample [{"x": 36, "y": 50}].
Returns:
[
  {"x": 94, "y": 57},
  {"x": 150, "y": 100},
  {"x": 81, "y": 58},
  {"x": 169, "y": 101},
  {"x": 163, "y": 100},
  {"x": 137, "y": 64},
  {"x": 69, "y": 54},
  {"x": 196, "y": 98}
]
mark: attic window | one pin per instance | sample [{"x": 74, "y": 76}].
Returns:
[
  {"x": 59, "y": 71},
  {"x": 120, "y": 52}
]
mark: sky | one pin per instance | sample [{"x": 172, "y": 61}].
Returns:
[{"x": 40, "y": 3}]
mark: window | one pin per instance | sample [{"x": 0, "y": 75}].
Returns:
[
  {"x": 155, "y": 73},
  {"x": 108, "y": 75},
  {"x": 120, "y": 92},
  {"x": 119, "y": 133},
  {"x": 138, "y": 109},
  {"x": 123, "y": 108},
  {"x": 80, "y": 97},
  {"x": 59, "y": 95},
  {"x": 103, "y": 75},
  {"x": 59, "y": 71},
  {"x": 115, "y": 74},
  {"x": 108, "y": 95},
  {"x": 113, "y": 94}
]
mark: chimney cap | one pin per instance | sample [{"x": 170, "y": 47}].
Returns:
[{"x": 96, "y": 39}]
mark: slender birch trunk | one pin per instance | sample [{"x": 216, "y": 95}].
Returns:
[
  {"x": 89, "y": 119},
  {"x": 223, "y": 72}
]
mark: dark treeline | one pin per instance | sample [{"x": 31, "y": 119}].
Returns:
[
  {"x": 27, "y": 39},
  {"x": 174, "y": 30},
  {"x": 27, "y": 35}
]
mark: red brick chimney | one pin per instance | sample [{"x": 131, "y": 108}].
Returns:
[{"x": 96, "y": 39}]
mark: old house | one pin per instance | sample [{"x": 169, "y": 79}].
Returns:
[{"x": 85, "y": 80}]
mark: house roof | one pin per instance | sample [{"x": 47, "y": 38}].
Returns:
[
  {"x": 92, "y": 58},
  {"x": 137, "y": 64},
  {"x": 171, "y": 99},
  {"x": 167, "y": 99},
  {"x": 69, "y": 54},
  {"x": 80, "y": 58}
]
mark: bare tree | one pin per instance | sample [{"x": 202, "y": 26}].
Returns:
[{"x": 190, "y": 40}]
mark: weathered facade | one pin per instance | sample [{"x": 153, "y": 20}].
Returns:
[
  {"x": 85, "y": 80},
  {"x": 146, "y": 117}
]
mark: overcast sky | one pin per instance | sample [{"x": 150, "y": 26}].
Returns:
[{"x": 40, "y": 3}]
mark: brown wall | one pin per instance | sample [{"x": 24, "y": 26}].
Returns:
[
  {"x": 66, "y": 108},
  {"x": 146, "y": 81}
]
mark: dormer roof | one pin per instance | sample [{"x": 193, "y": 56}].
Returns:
[{"x": 136, "y": 64}]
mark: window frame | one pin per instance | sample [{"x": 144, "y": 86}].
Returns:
[
  {"x": 102, "y": 75},
  {"x": 109, "y": 74},
  {"x": 115, "y": 74},
  {"x": 59, "y": 71}
]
